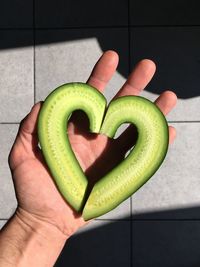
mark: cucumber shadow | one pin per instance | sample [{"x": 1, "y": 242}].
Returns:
[{"x": 154, "y": 239}]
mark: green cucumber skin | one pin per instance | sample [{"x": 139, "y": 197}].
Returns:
[
  {"x": 142, "y": 162},
  {"x": 53, "y": 139},
  {"x": 129, "y": 175}
]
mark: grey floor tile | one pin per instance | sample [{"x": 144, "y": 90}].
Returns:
[
  {"x": 164, "y": 13},
  {"x": 166, "y": 244},
  {"x": 174, "y": 191},
  {"x": 105, "y": 244},
  {"x": 69, "y": 55},
  {"x": 7, "y": 195},
  {"x": 80, "y": 14},
  {"x": 16, "y": 75},
  {"x": 2, "y": 222},
  {"x": 176, "y": 54},
  {"x": 16, "y": 14}
]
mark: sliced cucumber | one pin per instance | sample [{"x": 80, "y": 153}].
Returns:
[
  {"x": 142, "y": 162},
  {"x": 55, "y": 145},
  {"x": 119, "y": 184}
]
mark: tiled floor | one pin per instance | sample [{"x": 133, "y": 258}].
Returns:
[{"x": 44, "y": 44}]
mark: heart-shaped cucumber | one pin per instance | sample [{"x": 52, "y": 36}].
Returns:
[{"x": 120, "y": 183}]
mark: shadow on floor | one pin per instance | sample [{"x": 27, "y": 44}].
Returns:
[
  {"x": 175, "y": 70},
  {"x": 166, "y": 243}
]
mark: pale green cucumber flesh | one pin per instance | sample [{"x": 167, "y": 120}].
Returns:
[
  {"x": 53, "y": 138},
  {"x": 142, "y": 162}
]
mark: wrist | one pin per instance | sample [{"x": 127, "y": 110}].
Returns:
[
  {"x": 28, "y": 241},
  {"x": 41, "y": 228}
]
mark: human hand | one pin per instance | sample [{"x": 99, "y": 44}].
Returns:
[{"x": 36, "y": 192}]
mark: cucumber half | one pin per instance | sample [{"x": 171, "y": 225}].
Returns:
[{"x": 120, "y": 183}]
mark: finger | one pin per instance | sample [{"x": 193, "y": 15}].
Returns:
[
  {"x": 138, "y": 79},
  {"x": 166, "y": 101},
  {"x": 27, "y": 133},
  {"x": 100, "y": 76},
  {"x": 172, "y": 134},
  {"x": 103, "y": 70},
  {"x": 26, "y": 141}
]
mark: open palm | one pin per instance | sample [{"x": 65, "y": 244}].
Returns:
[{"x": 36, "y": 192}]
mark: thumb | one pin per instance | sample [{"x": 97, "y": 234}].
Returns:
[
  {"x": 28, "y": 126},
  {"x": 26, "y": 141}
]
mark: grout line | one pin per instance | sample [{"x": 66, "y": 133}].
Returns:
[
  {"x": 9, "y": 122},
  {"x": 82, "y": 27},
  {"x": 164, "y": 25},
  {"x": 150, "y": 220},
  {"x": 96, "y": 27},
  {"x": 184, "y": 121},
  {"x": 33, "y": 23},
  {"x": 167, "y": 219},
  {"x": 16, "y": 29},
  {"x": 131, "y": 234},
  {"x": 129, "y": 39},
  {"x": 129, "y": 71},
  {"x": 65, "y": 28},
  {"x": 34, "y": 81}
]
